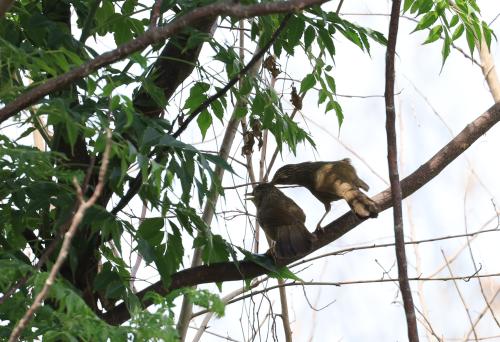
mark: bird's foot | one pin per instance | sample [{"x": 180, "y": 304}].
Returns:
[{"x": 319, "y": 229}]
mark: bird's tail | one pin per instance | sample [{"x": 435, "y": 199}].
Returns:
[
  {"x": 362, "y": 205},
  {"x": 293, "y": 240}
]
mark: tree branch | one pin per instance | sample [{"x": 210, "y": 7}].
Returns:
[
  {"x": 149, "y": 37},
  {"x": 229, "y": 271},
  {"x": 5, "y": 6},
  {"x": 392, "y": 159}
]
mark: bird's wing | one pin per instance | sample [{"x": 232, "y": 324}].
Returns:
[{"x": 293, "y": 240}]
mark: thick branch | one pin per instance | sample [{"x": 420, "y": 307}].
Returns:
[
  {"x": 228, "y": 271},
  {"x": 149, "y": 37},
  {"x": 5, "y": 6}
]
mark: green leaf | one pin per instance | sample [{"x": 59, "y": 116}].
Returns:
[
  {"x": 296, "y": 27},
  {"x": 327, "y": 41},
  {"x": 487, "y": 34},
  {"x": 240, "y": 111},
  {"x": 217, "y": 109},
  {"x": 445, "y": 51},
  {"x": 434, "y": 34},
  {"x": 215, "y": 249},
  {"x": 206, "y": 300},
  {"x": 424, "y": 6},
  {"x": 175, "y": 250},
  {"x": 471, "y": 40},
  {"x": 204, "y": 121},
  {"x": 128, "y": 7},
  {"x": 151, "y": 230},
  {"x": 427, "y": 20},
  {"x": 267, "y": 262},
  {"x": 197, "y": 95},
  {"x": 309, "y": 36},
  {"x": 307, "y": 83},
  {"x": 458, "y": 32},
  {"x": 331, "y": 83},
  {"x": 454, "y": 20},
  {"x": 407, "y": 4}
]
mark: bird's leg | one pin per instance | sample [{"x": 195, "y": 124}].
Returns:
[{"x": 319, "y": 229}]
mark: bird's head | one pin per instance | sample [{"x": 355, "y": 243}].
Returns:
[
  {"x": 285, "y": 175},
  {"x": 259, "y": 192}
]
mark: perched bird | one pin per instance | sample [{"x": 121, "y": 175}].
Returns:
[
  {"x": 330, "y": 181},
  {"x": 282, "y": 220}
]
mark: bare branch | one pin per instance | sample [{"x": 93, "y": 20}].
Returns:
[
  {"x": 77, "y": 218},
  {"x": 481, "y": 315},
  {"x": 462, "y": 299},
  {"x": 392, "y": 156}
]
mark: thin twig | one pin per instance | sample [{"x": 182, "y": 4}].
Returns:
[
  {"x": 360, "y": 282},
  {"x": 138, "y": 260},
  {"x": 487, "y": 307},
  {"x": 466, "y": 307},
  {"x": 471, "y": 253},
  {"x": 227, "y": 338},
  {"x": 77, "y": 218},
  {"x": 472, "y": 237}
]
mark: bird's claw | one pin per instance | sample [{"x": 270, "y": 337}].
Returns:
[{"x": 319, "y": 229}]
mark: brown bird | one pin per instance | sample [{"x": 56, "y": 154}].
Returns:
[
  {"x": 330, "y": 181},
  {"x": 282, "y": 220}
]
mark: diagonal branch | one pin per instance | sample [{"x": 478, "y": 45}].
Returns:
[
  {"x": 150, "y": 37},
  {"x": 228, "y": 271}
]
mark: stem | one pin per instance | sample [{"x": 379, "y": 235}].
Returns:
[{"x": 392, "y": 157}]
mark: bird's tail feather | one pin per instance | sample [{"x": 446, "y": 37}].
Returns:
[{"x": 362, "y": 205}]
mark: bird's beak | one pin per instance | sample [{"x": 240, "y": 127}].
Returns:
[{"x": 249, "y": 196}]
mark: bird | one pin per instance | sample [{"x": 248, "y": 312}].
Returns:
[
  {"x": 330, "y": 181},
  {"x": 282, "y": 220}
]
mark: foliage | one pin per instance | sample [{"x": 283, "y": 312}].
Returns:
[
  {"x": 449, "y": 20},
  {"x": 41, "y": 40}
]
